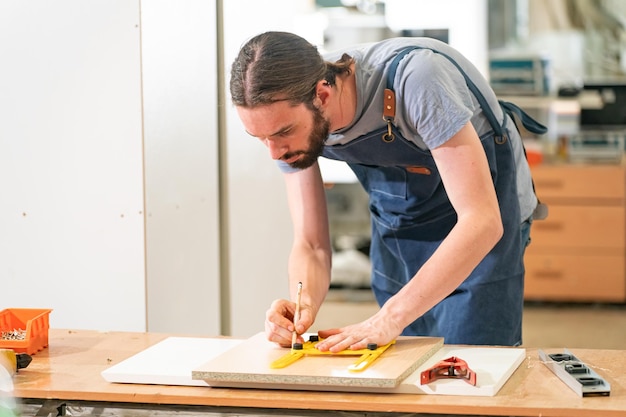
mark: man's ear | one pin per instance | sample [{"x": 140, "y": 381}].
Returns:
[{"x": 323, "y": 91}]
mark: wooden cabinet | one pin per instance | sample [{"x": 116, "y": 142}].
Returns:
[{"x": 578, "y": 252}]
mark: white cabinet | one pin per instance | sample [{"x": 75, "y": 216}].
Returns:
[
  {"x": 71, "y": 180},
  {"x": 109, "y": 163},
  {"x": 181, "y": 165}
]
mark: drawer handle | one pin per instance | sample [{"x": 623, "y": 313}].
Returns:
[{"x": 548, "y": 274}]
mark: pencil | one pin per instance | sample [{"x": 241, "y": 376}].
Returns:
[{"x": 296, "y": 316}]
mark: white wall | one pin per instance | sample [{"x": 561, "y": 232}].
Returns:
[{"x": 71, "y": 181}]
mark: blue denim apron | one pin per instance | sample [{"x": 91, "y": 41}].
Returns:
[{"x": 411, "y": 214}]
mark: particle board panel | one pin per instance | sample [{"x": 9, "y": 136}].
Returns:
[{"x": 248, "y": 365}]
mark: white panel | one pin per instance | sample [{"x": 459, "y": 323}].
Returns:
[
  {"x": 71, "y": 216},
  {"x": 179, "y": 56},
  {"x": 260, "y": 227}
]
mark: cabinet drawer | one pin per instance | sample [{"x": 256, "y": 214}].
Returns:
[
  {"x": 580, "y": 227},
  {"x": 575, "y": 278},
  {"x": 579, "y": 181}
]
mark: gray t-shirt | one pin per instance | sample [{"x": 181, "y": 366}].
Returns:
[{"x": 433, "y": 100}]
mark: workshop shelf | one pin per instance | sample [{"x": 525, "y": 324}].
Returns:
[{"x": 25, "y": 330}]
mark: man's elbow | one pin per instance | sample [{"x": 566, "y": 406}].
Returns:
[{"x": 496, "y": 229}]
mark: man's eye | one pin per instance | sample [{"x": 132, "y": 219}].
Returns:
[{"x": 285, "y": 133}]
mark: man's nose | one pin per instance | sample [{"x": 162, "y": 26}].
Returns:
[{"x": 277, "y": 150}]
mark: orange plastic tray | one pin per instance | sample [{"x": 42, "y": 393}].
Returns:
[{"x": 35, "y": 321}]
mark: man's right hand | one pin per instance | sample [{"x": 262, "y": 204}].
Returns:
[{"x": 279, "y": 323}]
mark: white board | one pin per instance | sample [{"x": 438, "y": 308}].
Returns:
[
  {"x": 493, "y": 367},
  {"x": 169, "y": 362}
]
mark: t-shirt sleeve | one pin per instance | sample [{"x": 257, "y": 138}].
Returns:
[{"x": 435, "y": 99}]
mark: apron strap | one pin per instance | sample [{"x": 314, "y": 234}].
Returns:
[
  {"x": 389, "y": 106},
  {"x": 391, "y": 75},
  {"x": 530, "y": 124}
]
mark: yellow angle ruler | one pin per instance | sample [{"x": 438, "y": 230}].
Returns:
[{"x": 367, "y": 355}]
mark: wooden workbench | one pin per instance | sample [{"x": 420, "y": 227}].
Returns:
[{"x": 69, "y": 369}]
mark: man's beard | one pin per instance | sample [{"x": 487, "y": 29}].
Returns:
[{"x": 317, "y": 139}]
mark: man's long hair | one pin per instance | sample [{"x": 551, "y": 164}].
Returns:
[{"x": 278, "y": 66}]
